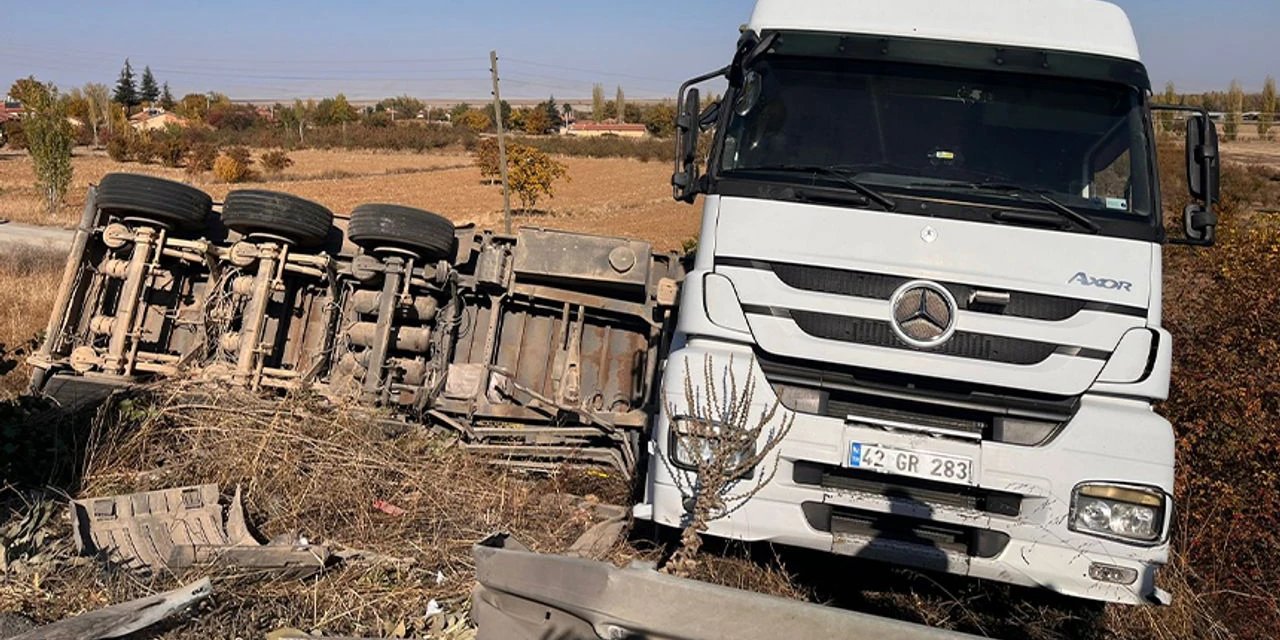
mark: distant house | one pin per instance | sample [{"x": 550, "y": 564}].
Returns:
[
  {"x": 588, "y": 128},
  {"x": 155, "y": 118}
]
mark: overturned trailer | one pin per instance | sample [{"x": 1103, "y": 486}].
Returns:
[{"x": 538, "y": 348}]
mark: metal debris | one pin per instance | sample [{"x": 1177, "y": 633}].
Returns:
[
  {"x": 124, "y": 618},
  {"x": 184, "y": 527}
]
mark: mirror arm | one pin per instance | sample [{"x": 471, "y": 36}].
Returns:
[{"x": 684, "y": 183}]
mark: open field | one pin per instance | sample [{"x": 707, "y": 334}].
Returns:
[{"x": 607, "y": 196}]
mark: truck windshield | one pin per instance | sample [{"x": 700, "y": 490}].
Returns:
[{"x": 911, "y": 128}]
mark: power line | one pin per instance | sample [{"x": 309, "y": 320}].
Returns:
[{"x": 581, "y": 70}]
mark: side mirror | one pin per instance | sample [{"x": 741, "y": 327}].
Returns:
[
  {"x": 684, "y": 181},
  {"x": 1203, "y": 175}
]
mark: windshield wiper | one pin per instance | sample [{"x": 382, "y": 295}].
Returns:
[
  {"x": 835, "y": 172},
  {"x": 1016, "y": 190}
]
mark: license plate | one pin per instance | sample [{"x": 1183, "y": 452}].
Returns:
[{"x": 917, "y": 464}]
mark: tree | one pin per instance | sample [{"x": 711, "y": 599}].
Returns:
[
  {"x": 335, "y": 110},
  {"x": 621, "y": 103},
  {"x": 296, "y": 117},
  {"x": 149, "y": 91},
  {"x": 536, "y": 122},
  {"x": 1170, "y": 96},
  {"x": 126, "y": 91},
  {"x": 506, "y": 113},
  {"x": 1235, "y": 110},
  {"x": 166, "y": 98},
  {"x": 404, "y": 107},
  {"x": 1268, "y": 116},
  {"x": 458, "y": 110},
  {"x": 227, "y": 115},
  {"x": 485, "y": 157},
  {"x": 661, "y": 120},
  {"x": 99, "y": 99},
  {"x": 474, "y": 119},
  {"x": 553, "y": 113},
  {"x": 532, "y": 174},
  {"x": 49, "y": 138},
  {"x": 597, "y": 102}
]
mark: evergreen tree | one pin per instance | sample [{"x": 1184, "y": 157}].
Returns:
[
  {"x": 149, "y": 92},
  {"x": 166, "y": 98},
  {"x": 126, "y": 91},
  {"x": 621, "y": 101},
  {"x": 553, "y": 113}
]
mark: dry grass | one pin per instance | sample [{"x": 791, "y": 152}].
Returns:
[
  {"x": 613, "y": 196},
  {"x": 310, "y": 468},
  {"x": 28, "y": 280}
]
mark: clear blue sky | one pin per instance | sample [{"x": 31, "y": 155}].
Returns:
[{"x": 255, "y": 49}]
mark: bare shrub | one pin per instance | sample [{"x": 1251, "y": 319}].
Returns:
[
  {"x": 201, "y": 157},
  {"x": 276, "y": 161},
  {"x": 171, "y": 146},
  {"x": 142, "y": 149},
  {"x": 730, "y": 444},
  {"x": 118, "y": 147}
]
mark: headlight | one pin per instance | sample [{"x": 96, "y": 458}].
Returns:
[
  {"x": 694, "y": 444},
  {"x": 1126, "y": 513}
]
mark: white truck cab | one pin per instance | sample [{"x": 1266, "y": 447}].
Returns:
[{"x": 932, "y": 231}]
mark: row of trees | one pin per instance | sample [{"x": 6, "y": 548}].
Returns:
[
  {"x": 1233, "y": 103},
  {"x": 130, "y": 94}
]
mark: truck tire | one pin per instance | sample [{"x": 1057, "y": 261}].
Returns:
[
  {"x": 169, "y": 203},
  {"x": 300, "y": 221},
  {"x": 375, "y": 226}
]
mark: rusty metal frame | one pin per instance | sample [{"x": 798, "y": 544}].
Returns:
[{"x": 539, "y": 347}]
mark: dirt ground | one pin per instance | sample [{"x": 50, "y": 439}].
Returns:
[
  {"x": 610, "y": 196},
  {"x": 1255, "y": 151}
]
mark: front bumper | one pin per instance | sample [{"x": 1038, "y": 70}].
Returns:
[{"x": 944, "y": 527}]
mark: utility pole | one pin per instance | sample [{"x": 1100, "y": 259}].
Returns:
[{"x": 502, "y": 145}]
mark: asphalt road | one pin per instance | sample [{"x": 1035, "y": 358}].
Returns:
[{"x": 14, "y": 235}]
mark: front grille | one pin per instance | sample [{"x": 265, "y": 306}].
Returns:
[
  {"x": 879, "y": 333},
  {"x": 1021, "y": 304},
  {"x": 926, "y": 398},
  {"x": 899, "y": 530},
  {"x": 925, "y": 493}
]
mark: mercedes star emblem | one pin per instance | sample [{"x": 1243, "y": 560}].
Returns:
[{"x": 924, "y": 314}]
